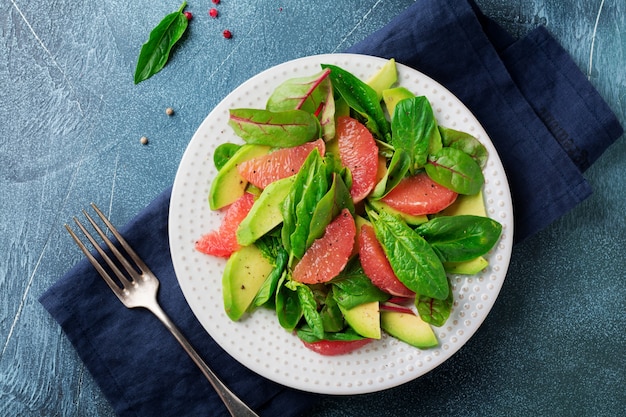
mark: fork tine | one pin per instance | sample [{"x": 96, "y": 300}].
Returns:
[
  {"x": 120, "y": 275},
  {"x": 103, "y": 273},
  {"x": 140, "y": 264},
  {"x": 121, "y": 258}
]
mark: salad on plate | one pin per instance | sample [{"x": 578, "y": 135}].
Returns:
[{"x": 346, "y": 209}]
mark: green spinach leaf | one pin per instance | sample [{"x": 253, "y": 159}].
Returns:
[
  {"x": 455, "y": 170},
  {"x": 413, "y": 260},
  {"x": 309, "y": 309},
  {"x": 362, "y": 99},
  {"x": 465, "y": 142},
  {"x": 156, "y": 51},
  {"x": 414, "y": 130},
  {"x": 434, "y": 311},
  {"x": 297, "y": 209},
  {"x": 308, "y": 335},
  {"x": 332, "y": 317},
  {"x": 313, "y": 94},
  {"x": 282, "y": 129},
  {"x": 288, "y": 308},
  {"x": 397, "y": 169},
  {"x": 223, "y": 153},
  {"x": 336, "y": 199},
  {"x": 460, "y": 238},
  {"x": 352, "y": 287}
]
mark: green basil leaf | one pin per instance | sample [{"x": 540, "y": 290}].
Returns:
[
  {"x": 288, "y": 309},
  {"x": 455, "y": 170},
  {"x": 282, "y": 129},
  {"x": 465, "y": 142},
  {"x": 433, "y": 311},
  {"x": 397, "y": 169},
  {"x": 309, "y": 309},
  {"x": 313, "y": 94},
  {"x": 223, "y": 153},
  {"x": 362, "y": 99},
  {"x": 156, "y": 51},
  {"x": 414, "y": 130},
  {"x": 460, "y": 238},
  {"x": 413, "y": 260}
]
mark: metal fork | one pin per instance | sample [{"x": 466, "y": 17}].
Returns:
[{"x": 139, "y": 289}]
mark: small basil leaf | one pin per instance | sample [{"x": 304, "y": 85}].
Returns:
[
  {"x": 465, "y": 142},
  {"x": 282, "y": 129},
  {"x": 455, "y": 170},
  {"x": 460, "y": 238},
  {"x": 223, "y": 153},
  {"x": 156, "y": 51},
  {"x": 413, "y": 260}
]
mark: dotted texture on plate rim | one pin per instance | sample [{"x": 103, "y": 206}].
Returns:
[{"x": 258, "y": 341}]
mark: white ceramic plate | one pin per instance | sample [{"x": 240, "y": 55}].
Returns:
[{"x": 258, "y": 341}]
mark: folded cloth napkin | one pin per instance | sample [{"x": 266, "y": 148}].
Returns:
[{"x": 546, "y": 120}]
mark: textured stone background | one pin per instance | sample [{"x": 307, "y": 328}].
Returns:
[{"x": 70, "y": 124}]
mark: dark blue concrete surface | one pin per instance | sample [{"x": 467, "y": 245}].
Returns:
[{"x": 70, "y": 125}]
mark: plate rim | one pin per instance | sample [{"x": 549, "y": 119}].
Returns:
[{"x": 348, "y": 389}]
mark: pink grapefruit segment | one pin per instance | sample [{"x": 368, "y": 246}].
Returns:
[
  {"x": 358, "y": 153},
  {"x": 222, "y": 242},
  {"x": 377, "y": 267},
  {"x": 281, "y": 163},
  {"x": 329, "y": 254},
  {"x": 336, "y": 347},
  {"x": 418, "y": 195}
]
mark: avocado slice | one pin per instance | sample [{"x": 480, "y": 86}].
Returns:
[
  {"x": 384, "y": 78},
  {"x": 393, "y": 96},
  {"x": 471, "y": 267},
  {"x": 245, "y": 272},
  {"x": 379, "y": 206},
  {"x": 364, "y": 319},
  {"x": 228, "y": 185},
  {"x": 409, "y": 328},
  {"x": 265, "y": 213}
]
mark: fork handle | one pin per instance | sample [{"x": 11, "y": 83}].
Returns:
[{"x": 233, "y": 403}]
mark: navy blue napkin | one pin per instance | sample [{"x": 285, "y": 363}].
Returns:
[{"x": 545, "y": 119}]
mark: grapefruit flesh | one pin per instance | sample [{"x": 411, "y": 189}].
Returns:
[
  {"x": 358, "y": 153},
  {"x": 336, "y": 347},
  {"x": 419, "y": 195},
  {"x": 222, "y": 242},
  {"x": 281, "y": 163},
  {"x": 329, "y": 254},
  {"x": 377, "y": 267}
]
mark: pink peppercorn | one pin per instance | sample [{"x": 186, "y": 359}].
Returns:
[
  {"x": 188, "y": 15},
  {"x": 216, "y": 1},
  {"x": 213, "y": 12},
  {"x": 227, "y": 34}
]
